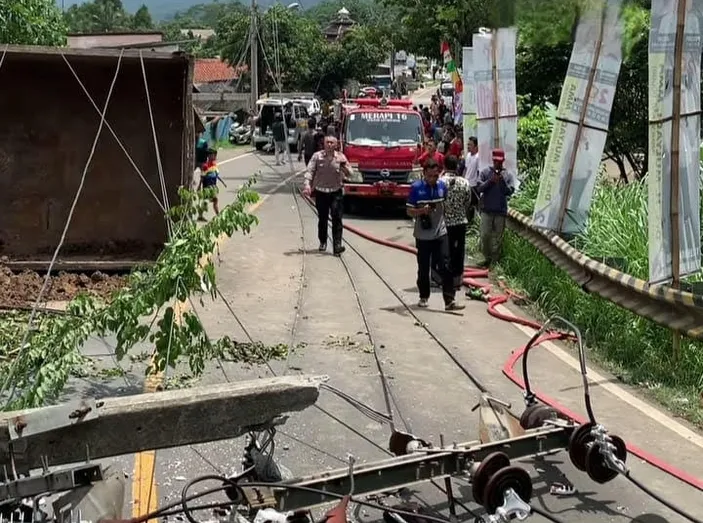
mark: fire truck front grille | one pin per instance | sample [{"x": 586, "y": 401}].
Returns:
[{"x": 387, "y": 176}]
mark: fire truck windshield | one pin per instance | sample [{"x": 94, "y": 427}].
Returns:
[{"x": 383, "y": 127}]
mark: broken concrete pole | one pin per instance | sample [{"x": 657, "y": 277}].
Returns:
[{"x": 125, "y": 425}]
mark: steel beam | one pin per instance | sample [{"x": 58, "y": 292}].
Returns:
[
  {"x": 396, "y": 473},
  {"x": 58, "y": 481}
]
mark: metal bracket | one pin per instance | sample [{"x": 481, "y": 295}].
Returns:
[
  {"x": 276, "y": 421},
  {"x": 423, "y": 465},
  {"x": 51, "y": 418},
  {"x": 258, "y": 497},
  {"x": 513, "y": 507},
  {"x": 58, "y": 481},
  {"x": 607, "y": 449}
]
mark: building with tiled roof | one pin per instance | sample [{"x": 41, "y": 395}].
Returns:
[{"x": 212, "y": 74}]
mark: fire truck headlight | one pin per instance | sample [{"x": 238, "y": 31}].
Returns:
[{"x": 415, "y": 175}]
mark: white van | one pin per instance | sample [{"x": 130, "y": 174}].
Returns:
[
  {"x": 446, "y": 91},
  {"x": 296, "y": 118},
  {"x": 311, "y": 104}
]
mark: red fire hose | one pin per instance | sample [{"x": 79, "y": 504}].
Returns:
[{"x": 471, "y": 276}]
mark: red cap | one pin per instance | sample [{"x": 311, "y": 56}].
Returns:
[{"x": 498, "y": 154}]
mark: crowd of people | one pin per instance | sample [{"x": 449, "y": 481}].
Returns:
[
  {"x": 447, "y": 200},
  {"x": 443, "y": 204}
]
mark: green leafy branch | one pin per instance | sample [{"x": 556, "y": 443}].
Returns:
[{"x": 151, "y": 307}]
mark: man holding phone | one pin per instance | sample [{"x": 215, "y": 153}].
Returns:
[
  {"x": 324, "y": 181},
  {"x": 495, "y": 186},
  {"x": 426, "y": 205}
]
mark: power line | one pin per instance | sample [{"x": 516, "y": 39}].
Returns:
[{"x": 23, "y": 344}]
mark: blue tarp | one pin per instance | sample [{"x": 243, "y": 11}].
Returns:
[{"x": 220, "y": 131}]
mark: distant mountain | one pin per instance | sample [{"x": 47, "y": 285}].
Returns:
[{"x": 165, "y": 9}]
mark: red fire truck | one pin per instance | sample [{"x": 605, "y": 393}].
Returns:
[{"x": 382, "y": 140}]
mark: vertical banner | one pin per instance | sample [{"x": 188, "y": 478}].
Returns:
[
  {"x": 496, "y": 129},
  {"x": 469, "y": 95},
  {"x": 450, "y": 67},
  {"x": 458, "y": 107},
  {"x": 662, "y": 38},
  {"x": 580, "y": 130}
]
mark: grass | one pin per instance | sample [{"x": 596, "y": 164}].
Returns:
[
  {"x": 225, "y": 144},
  {"x": 602, "y": 344},
  {"x": 634, "y": 349}
]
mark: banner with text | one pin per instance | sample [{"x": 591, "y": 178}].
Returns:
[
  {"x": 504, "y": 134},
  {"x": 458, "y": 107},
  {"x": 469, "y": 95},
  {"x": 662, "y": 37},
  {"x": 578, "y": 138}
]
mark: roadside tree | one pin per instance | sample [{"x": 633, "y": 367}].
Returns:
[
  {"x": 355, "y": 57},
  {"x": 142, "y": 21},
  {"x": 31, "y": 22},
  {"x": 98, "y": 16},
  {"x": 294, "y": 49},
  {"x": 205, "y": 16}
]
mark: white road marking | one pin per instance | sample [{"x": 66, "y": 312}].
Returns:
[
  {"x": 266, "y": 196},
  {"x": 617, "y": 391},
  {"x": 236, "y": 158}
]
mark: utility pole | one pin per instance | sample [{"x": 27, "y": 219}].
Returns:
[{"x": 254, "y": 44}]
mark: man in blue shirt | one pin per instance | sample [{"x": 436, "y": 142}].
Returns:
[
  {"x": 426, "y": 206},
  {"x": 495, "y": 186}
]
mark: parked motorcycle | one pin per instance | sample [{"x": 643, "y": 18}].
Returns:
[{"x": 239, "y": 134}]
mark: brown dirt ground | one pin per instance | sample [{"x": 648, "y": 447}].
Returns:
[{"x": 21, "y": 289}]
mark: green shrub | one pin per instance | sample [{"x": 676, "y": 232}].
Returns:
[
  {"x": 617, "y": 228},
  {"x": 534, "y": 130},
  {"x": 639, "y": 346}
]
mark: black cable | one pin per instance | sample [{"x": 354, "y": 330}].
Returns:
[
  {"x": 464, "y": 369},
  {"x": 209, "y": 477},
  {"x": 207, "y": 506},
  {"x": 388, "y": 396},
  {"x": 172, "y": 506},
  {"x": 661, "y": 500},
  {"x": 171, "y": 509},
  {"x": 546, "y": 515},
  {"x": 529, "y": 395},
  {"x": 456, "y": 501},
  {"x": 351, "y": 498}
]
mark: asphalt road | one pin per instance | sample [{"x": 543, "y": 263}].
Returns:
[
  {"x": 261, "y": 276},
  {"x": 275, "y": 273}
]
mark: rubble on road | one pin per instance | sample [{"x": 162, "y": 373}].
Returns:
[{"x": 21, "y": 289}]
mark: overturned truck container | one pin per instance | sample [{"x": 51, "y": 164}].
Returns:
[{"x": 52, "y": 100}]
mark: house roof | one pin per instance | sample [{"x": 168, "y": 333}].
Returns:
[
  {"x": 119, "y": 33},
  {"x": 199, "y": 33},
  {"x": 214, "y": 70}
]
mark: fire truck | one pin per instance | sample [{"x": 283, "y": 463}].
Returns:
[{"x": 382, "y": 139}]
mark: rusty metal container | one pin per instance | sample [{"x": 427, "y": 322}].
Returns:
[{"x": 47, "y": 128}]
